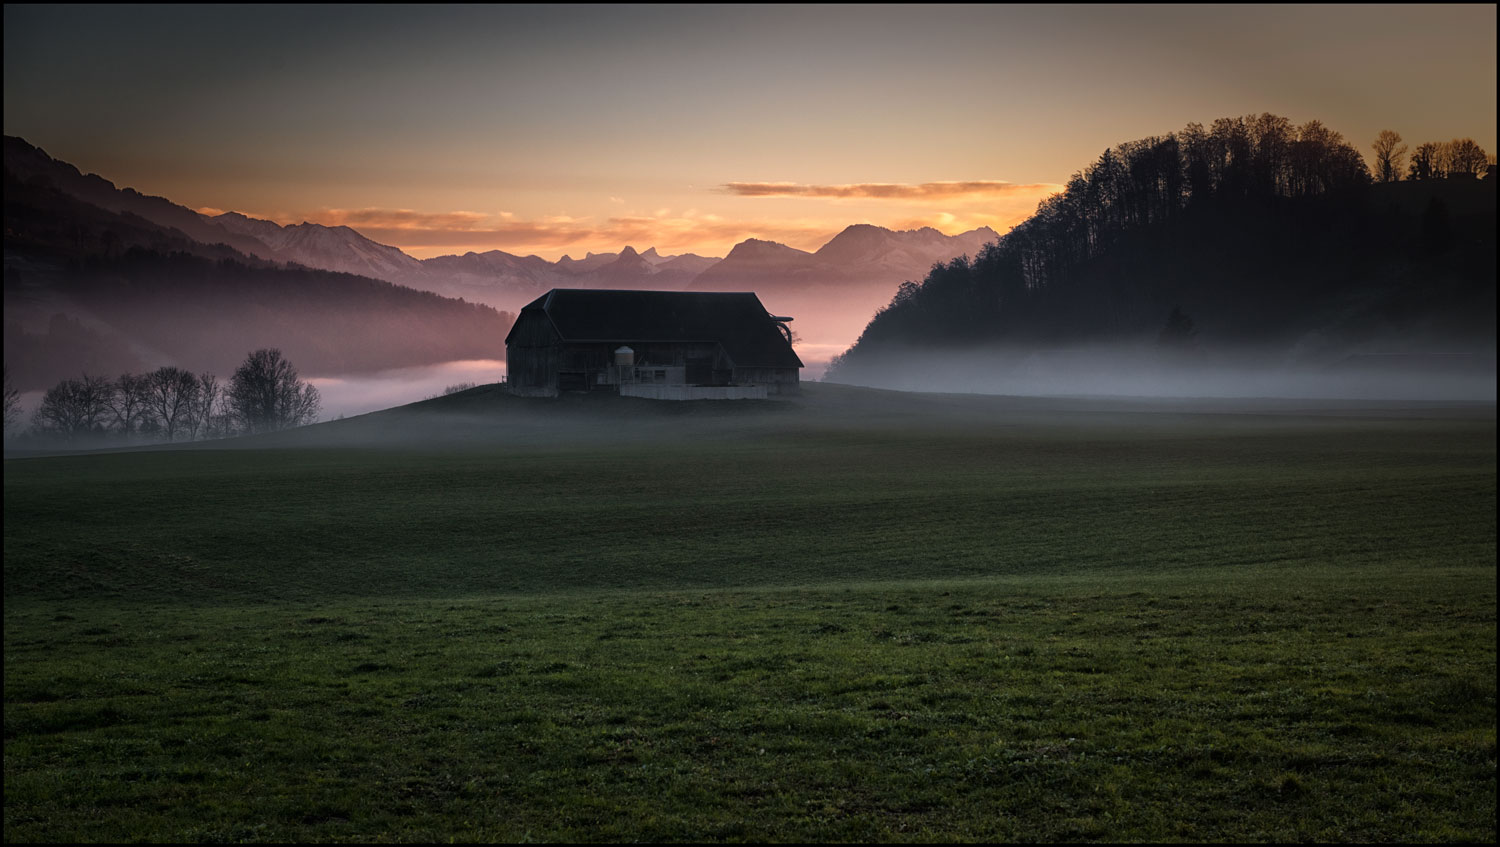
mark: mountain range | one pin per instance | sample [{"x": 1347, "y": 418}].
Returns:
[
  {"x": 96, "y": 284},
  {"x": 832, "y": 291},
  {"x": 62, "y": 217}
]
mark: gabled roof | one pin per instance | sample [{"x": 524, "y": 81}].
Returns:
[{"x": 737, "y": 320}]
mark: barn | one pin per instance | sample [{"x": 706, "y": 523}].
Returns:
[{"x": 669, "y": 345}]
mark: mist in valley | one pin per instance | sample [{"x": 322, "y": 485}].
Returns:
[
  {"x": 1146, "y": 372},
  {"x": 347, "y": 395}
]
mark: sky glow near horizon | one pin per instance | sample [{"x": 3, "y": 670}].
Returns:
[{"x": 565, "y": 130}]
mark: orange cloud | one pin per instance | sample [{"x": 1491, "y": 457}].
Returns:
[
  {"x": 402, "y": 219},
  {"x": 894, "y": 191}
]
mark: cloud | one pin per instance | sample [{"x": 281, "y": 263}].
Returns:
[
  {"x": 401, "y": 219},
  {"x": 927, "y": 191}
]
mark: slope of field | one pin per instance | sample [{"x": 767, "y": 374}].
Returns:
[{"x": 856, "y": 616}]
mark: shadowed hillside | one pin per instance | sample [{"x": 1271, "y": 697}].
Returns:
[
  {"x": 1252, "y": 235},
  {"x": 91, "y": 290}
]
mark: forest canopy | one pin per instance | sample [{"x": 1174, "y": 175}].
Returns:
[{"x": 1253, "y": 227}]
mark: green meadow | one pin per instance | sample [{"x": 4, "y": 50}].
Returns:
[{"x": 854, "y": 616}]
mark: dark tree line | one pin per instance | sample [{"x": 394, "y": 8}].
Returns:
[
  {"x": 1257, "y": 202},
  {"x": 1460, "y": 157},
  {"x": 171, "y": 404}
]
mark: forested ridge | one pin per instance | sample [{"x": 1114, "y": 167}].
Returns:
[
  {"x": 1258, "y": 232},
  {"x": 105, "y": 293}
]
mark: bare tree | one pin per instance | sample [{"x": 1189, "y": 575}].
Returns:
[
  {"x": 12, "y": 402},
  {"x": 1320, "y": 161},
  {"x": 170, "y": 397},
  {"x": 200, "y": 422},
  {"x": 225, "y": 422},
  {"x": 1424, "y": 162},
  {"x": 128, "y": 402},
  {"x": 1389, "y": 154},
  {"x": 1464, "y": 157},
  {"x": 267, "y": 395},
  {"x": 74, "y": 407}
]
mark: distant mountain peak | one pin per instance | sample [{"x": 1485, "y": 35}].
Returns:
[
  {"x": 864, "y": 242},
  {"x": 753, "y": 249}
]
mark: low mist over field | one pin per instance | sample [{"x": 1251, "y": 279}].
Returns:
[
  {"x": 1137, "y": 372},
  {"x": 711, "y": 423},
  {"x": 358, "y": 394}
]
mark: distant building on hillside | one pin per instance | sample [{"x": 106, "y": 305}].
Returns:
[{"x": 668, "y": 345}]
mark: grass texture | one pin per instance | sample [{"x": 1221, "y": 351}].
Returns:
[{"x": 833, "y": 621}]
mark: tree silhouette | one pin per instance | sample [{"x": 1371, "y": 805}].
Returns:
[
  {"x": 1424, "y": 162},
  {"x": 171, "y": 397},
  {"x": 128, "y": 401},
  {"x": 74, "y": 407},
  {"x": 200, "y": 419},
  {"x": 1249, "y": 210},
  {"x": 1464, "y": 157},
  {"x": 1389, "y": 153},
  {"x": 267, "y": 395}
]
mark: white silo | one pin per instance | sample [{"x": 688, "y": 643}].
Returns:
[{"x": 624, "y": 365}]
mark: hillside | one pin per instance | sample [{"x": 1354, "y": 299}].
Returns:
[
  {"x": 103, "y": 292},
  {"x": 1283, "y": 248},
  {"x": 831, "y": 292},
  {"x": 31, "y": 165}
]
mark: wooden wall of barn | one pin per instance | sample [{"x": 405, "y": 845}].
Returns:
[
  {"x": 531, "y": 357},
  {"x": 580, "y": 365}
]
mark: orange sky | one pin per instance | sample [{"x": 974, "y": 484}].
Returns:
[
  {"x": 554, "y": 129},
  {"x": 815, "y": 214}
]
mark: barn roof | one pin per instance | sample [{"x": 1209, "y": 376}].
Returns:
[{"x": 736, "y": 320}]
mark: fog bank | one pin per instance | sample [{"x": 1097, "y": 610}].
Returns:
[
  {"x": 349, "y": 395},
  {"x": 1133, "y": 372}
]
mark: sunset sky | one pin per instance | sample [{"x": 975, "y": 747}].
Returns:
[{"x": 557, "y": 129}]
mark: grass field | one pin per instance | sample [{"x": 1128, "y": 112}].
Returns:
[{"x": 859, "y": 616}]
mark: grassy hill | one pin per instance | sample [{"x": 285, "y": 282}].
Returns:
[{"x": 859, "y": 615}]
